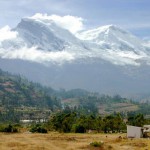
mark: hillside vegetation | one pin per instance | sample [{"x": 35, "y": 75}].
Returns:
[{"x": 22, "y": 99}]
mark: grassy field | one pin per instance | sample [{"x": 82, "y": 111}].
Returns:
[{"x": 57, "y": 141}]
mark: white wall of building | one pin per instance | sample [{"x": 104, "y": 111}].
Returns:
[{"x": 134, "y": 132}]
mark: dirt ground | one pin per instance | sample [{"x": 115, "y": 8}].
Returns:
[{"x": 58, "y": 141}]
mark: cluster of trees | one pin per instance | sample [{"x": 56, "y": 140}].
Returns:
[
  {"x": 10, "y": 116},
  {"x": 137, "y": 119},
  {"x": 70, "y": 120},
  {"x": 73, "y": 121}
]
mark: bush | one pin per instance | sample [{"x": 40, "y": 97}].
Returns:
[
  {"x": 97, "y": 144},
  {"x": 38, "y": 129},
  {"x": 8, "y": 128},
  {"x": 77, "y": 128}
]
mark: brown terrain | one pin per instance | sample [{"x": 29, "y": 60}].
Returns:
[{"x": 71, "y": 141}]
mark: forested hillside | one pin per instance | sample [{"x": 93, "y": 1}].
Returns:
[
  {"x": 21, "y": 99},
  {"x": 24, "y": 99},
  {"x": 89, "y": 102}
]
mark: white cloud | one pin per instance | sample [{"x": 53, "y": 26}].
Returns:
[
  {"x": 61, "y": 57},
  {"x": 6, "y": 33},
  {"x": 32, "y": 54},
  {"x": 71, "y": 23}
]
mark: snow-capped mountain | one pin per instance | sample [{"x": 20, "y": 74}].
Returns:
[
  {"x": 108, "y": 59},
  {"x": 116, "y": 45},
  {"x": 112, "y": 37},
  {"x": 41, "y": 34},
  {"x": 46, "y": 38}
]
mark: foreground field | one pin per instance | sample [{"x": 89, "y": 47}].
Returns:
[{"x": 57, "y": 141}]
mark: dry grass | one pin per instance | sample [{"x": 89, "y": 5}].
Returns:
[{"x": 57, "y": 141}]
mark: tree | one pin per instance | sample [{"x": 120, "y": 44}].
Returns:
[{"x": 137, "y": 120}]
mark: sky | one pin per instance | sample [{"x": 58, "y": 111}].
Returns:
[{"x": 133, "y": 15}]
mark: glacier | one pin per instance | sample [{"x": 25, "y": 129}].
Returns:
[{"x": 44, "y": 41}]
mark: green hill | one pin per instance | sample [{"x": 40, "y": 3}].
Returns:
[
  {"x": 104, "y": 104},
  {"x": 24, "y": 99}
]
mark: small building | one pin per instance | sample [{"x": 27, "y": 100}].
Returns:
[
  {"x": 146, "y": 131},
  {"x": 134, "y": 132}
]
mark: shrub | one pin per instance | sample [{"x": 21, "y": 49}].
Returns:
[
  {"x": 77, "y": 128},
  {"x": 8, "y": 128},
  {"x": 110, "y": 147},
  {"x": 38, "y": 129},
  {"x": 97, "y": 144}
]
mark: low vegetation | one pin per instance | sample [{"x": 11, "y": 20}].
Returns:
[
  {"x": 38, "y": 128},
  {"x": 9, "y": 128},
  {"x": 97, "y": 144},
  {"x": 70, "y": 120}
]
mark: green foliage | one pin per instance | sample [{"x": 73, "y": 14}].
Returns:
[
  {"x": 78, "y": 128},
  {"x": 37, "y": 128},
  {"x": 136, "y": 120},
  {"x": 72, "y": 121},
  {"x": 87, "y": 105},
  {"x": 18, "y": 95},
  {"x": 97, "y": 144},
  {"x": 17, "y": 91},
  {"x": 21, "y": 99},
  {"x": 63, "y": 121},
  {"x": 9, "y": 116},
  {"x": 92, "y": 102},
  {"x": 113, "y": 123},
  {"x": 8, "y": 128}
]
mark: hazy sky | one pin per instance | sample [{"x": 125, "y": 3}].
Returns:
[{"x": 133, "y": 15}]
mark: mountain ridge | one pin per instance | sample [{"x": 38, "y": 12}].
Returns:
[
  {"x": 106, "y": 42},
  {"x": 111, "y": 34},
  {"x": 111, "y": 66}
]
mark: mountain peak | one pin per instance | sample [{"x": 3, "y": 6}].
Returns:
[
  {"x": 105, "y": 30},
  {"x": 29, "y": 19},
  {"x": 112, "y": 37},
  {"x": 45, "y": 34},
  {"x": 111, "y": 26},
  {"x": 115, "y": 28}
]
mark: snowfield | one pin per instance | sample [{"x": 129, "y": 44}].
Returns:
[{"x": 46, "y": 39}]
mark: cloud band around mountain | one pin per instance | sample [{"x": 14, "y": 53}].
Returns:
[{"x": 71, "y": 23}]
